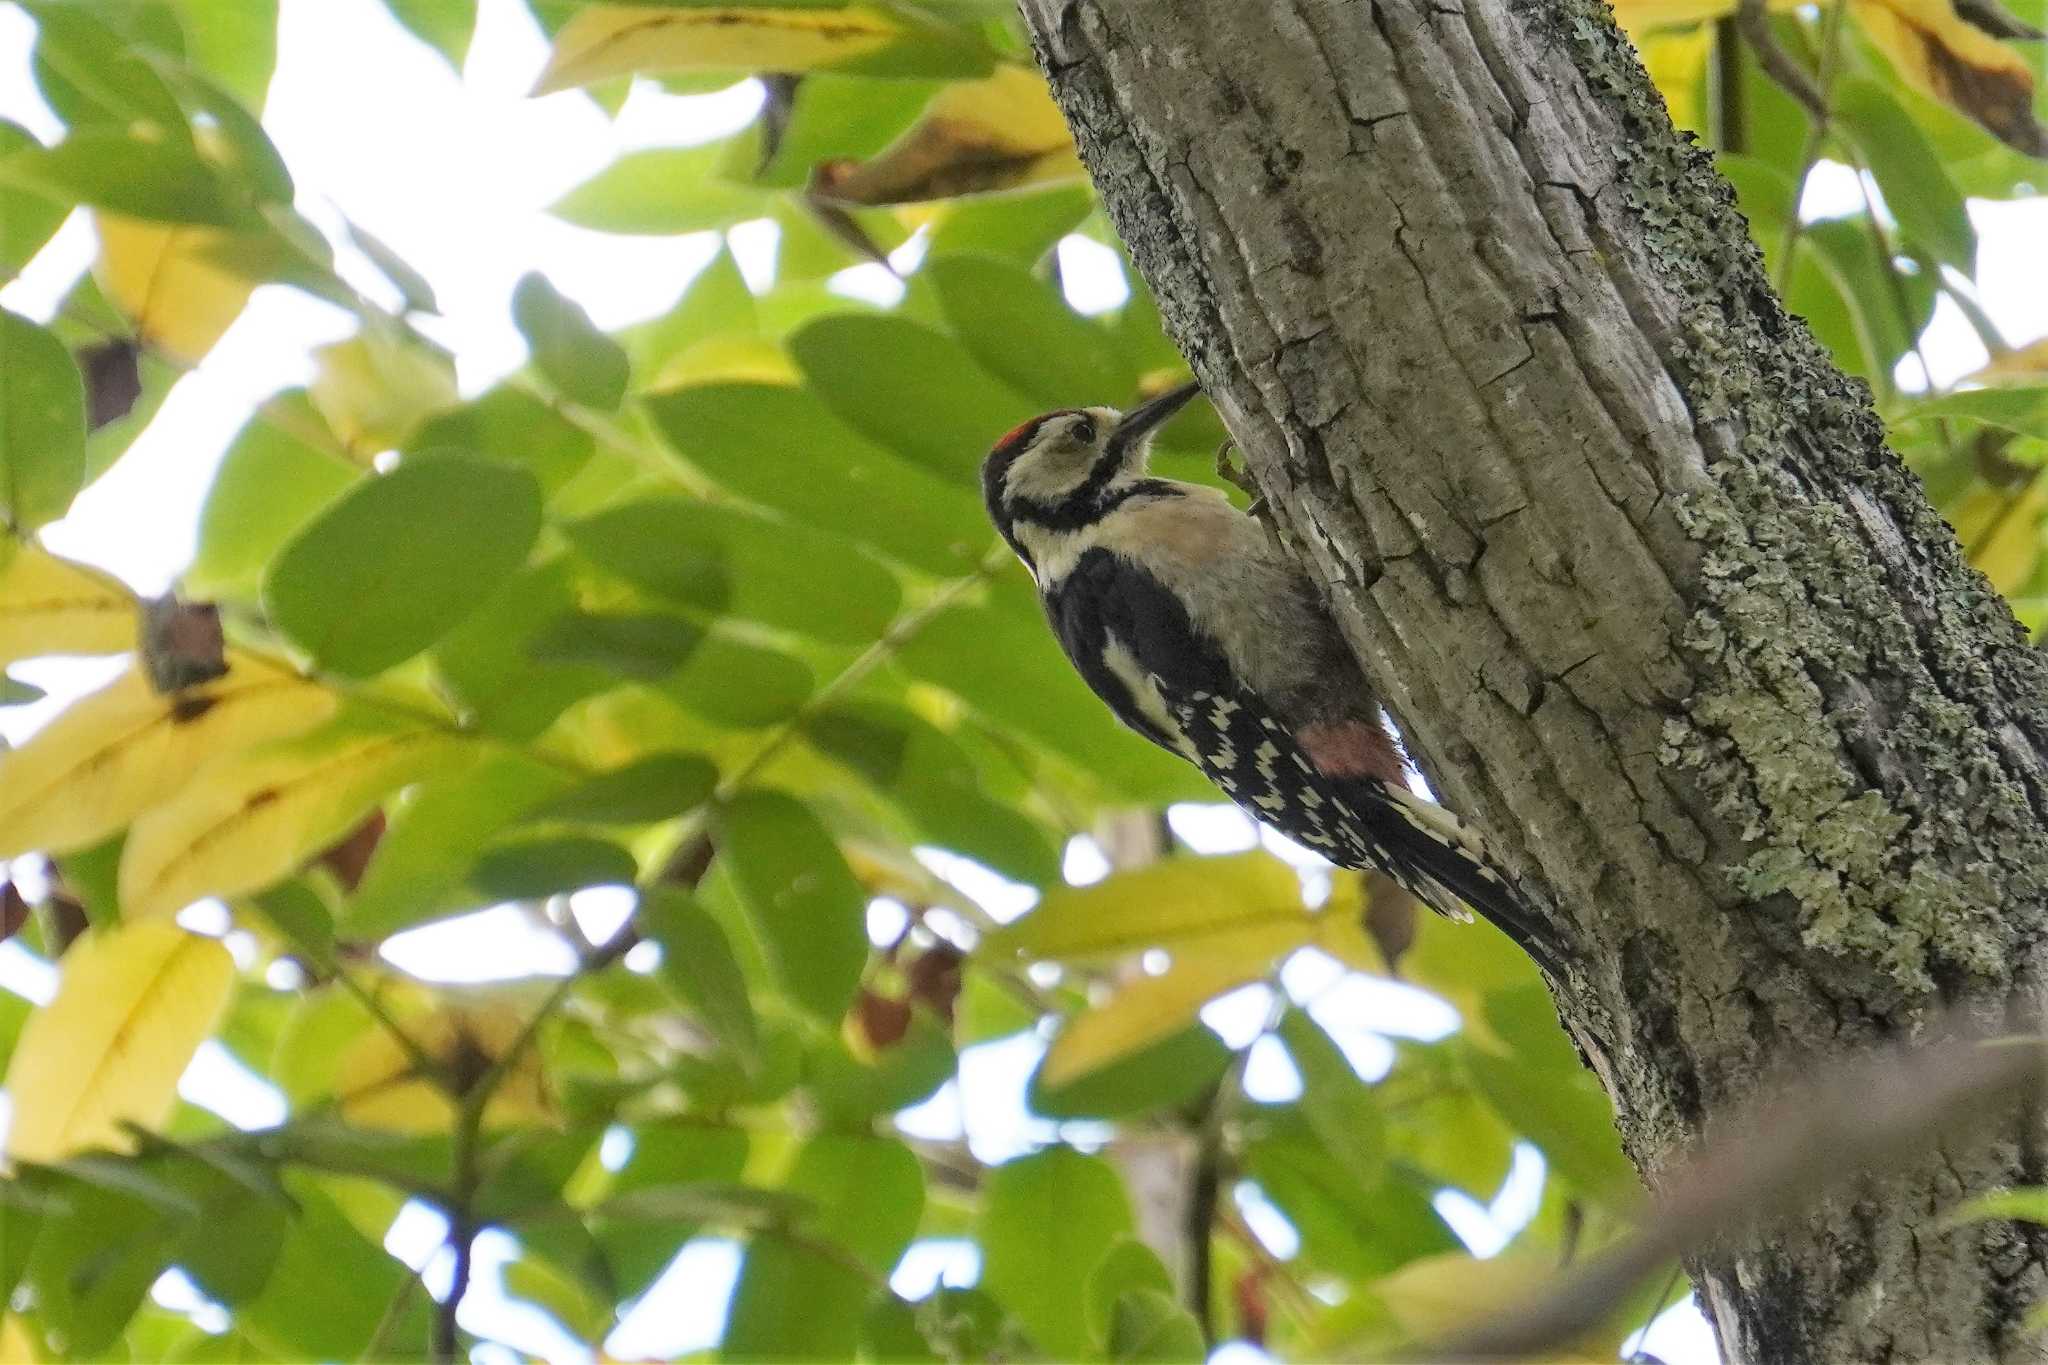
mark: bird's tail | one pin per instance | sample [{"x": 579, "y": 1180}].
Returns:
[{"x": 1444, "y": 863}]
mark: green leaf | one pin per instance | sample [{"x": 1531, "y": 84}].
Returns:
[
  {"x": 299, "y": 1316},
  {"x": 662, "y": 192},
  {"x": 685, "y": 1153},
  {"x": 641, "y": 645},
  {"x": 697, "y": 963},
  {"x": 1917, "y": 190},
  {"x": 793, "y": 1302},
  {"x": 489, "y": 660},
  {"x": 1568, "y": 1116},
  {"x": 444, "y": 25},
  {"x": 115, "y": 170},
  {"x": 27, "y": 221},
  {"x": 1166, "y": 1075},
  {"x": 535, "y": 867},
  {"x": 782, "y": 447},
  {"x": 1347, "y": 1227},
  {"x": 92, "y": 1265},
  {"x": 724, "y": 561},
  {"x": 42, "y": 425},
  {"x": 832, "y": 118},
  {"x": 235, "y": 44},
  {"x": 1147, "y": 1325},
  {"x": 1021, "y": 226},
  {"x": 739, "y": 685},
  {"x": 401, "y": 560},
  {"x": 878, "y": 375},
  {"x": 2021, "y": 409},
  {"x": 512, "y": 425},
  {"x": 800, "y": 896},
  {"x": 1127, "y": 1267},
  {"x": 927, "y": 775},
  {"x": 296, "y": 910},
  {"x": 1340, "y": 1107},
  {"x": 1047, "y": 1221},
  {"x": 583, "y": 364},
  {"x": 433, "y": 837},
  {"x": 271, "y": 482},
  {"x": 655, "y": 787},
  {"x": 1024, "y": 333},
  {"x": 93, "y": 74},
  {"x": 851, "y": 1093}
]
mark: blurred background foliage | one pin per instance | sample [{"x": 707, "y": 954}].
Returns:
[{"x": 691, "y": 644}]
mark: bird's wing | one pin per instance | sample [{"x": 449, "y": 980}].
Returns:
[
  {"x": 1132, "y": 640},
  {"x": 1333, "y": 788}
]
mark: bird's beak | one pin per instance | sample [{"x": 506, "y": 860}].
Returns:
[{"x": 1147, "y": 418}]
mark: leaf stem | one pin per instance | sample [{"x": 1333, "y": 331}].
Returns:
[{"x": 1816, "y": 134}]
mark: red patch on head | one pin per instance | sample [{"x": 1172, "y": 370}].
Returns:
[
  {"x": 1023, "y": 431},
  {"x": 1351, "y": 748}
]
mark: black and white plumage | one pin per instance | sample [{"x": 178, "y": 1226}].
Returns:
[{"x": 1184, "y": 618}]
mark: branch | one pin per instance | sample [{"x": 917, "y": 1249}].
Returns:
[{"x": 1774, "y": 1161}]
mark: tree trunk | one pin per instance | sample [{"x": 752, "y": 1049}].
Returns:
[{"x": 1652, "y": 600}]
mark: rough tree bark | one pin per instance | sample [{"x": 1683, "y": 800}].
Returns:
[{"x": 1650, "y": 596}]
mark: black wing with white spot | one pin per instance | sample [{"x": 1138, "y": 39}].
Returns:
[{"x": 1134, "y": 643}]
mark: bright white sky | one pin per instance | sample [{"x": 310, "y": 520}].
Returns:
[{"x": 454, "y": 172}]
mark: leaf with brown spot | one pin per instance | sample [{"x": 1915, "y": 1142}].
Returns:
[
  {"x": 976, "y": 137},
  {"x": 53, "y": 606},
  {"x": 1953, "y": 53},
  {"x": 125, "y": 748},
  {"x": 252, "y": 819}
]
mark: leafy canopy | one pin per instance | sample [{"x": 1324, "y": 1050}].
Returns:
[{"x": 706, "y": 609}]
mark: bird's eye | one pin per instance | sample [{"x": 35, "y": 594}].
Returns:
[{"x": 1084, "y": 431}]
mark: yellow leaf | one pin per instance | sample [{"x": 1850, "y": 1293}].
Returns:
[
  {"x": 175, "y": 280},
  {"x": 2001, "y": 532},
  {"x": 1148, "y": 1008},
  {"x": 1963, "y": 64},
  {"x": 53, "y": 606},
  {"x": 2027, "y": 365},
  {"x": 127, "y": 747},
  {"x": 133, "y": 1004},
  {"x": 998, "y": 133},
  {"x": 380, "y": 1087},
  {"x": 17, "y": 1346},
  {"x": 620, "y": 40},
  {"x": 1180, "y": 901},
  {"x": 375, "y": 389},
  {"x": 1440, "y": 1296},
  {"x": 1640, "y": 17},
  {"x": 1676, "y": 60},
  {"x": 726, "y": 360},
  {"x": 252, "y": 818}
]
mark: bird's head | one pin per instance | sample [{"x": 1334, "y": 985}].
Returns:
[{"x": 1055, "y": 469}]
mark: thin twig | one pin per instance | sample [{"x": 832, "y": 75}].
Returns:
[
  {"x": 1816, "y": 133},
  {"x": 1754, "y": 23}
]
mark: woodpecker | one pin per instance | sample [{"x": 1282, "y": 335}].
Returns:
[{"x": 1182, "y": 615}]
